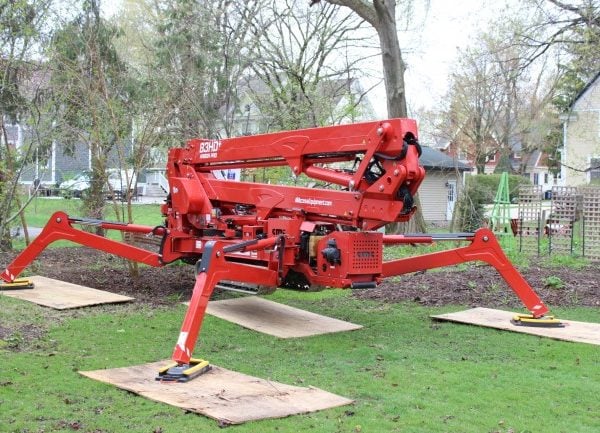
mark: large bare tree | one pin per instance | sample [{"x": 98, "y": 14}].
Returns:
[
  {"x": 303, "y": 64},
  {"x": 570, "y": 31},
  {"x": 498, "y": 101},
  {"x": 474, "y": 109},
  {"x": 381, "y": 15},
  {"x": 572, "y": 25}
]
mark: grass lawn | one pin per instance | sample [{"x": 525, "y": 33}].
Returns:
[
  {"x": 40, "y": 210},
  {"x": 406, "y": 372}
]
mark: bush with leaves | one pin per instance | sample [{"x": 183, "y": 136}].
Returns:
[
  {"x": 479, "y": 191},
  {"x": 489, "y": 185},
  {"x": 469, "y": 215}
]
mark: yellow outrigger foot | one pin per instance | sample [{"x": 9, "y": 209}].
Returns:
[
  {"x": 175, "y": 372},
  {"x": 19, "y": 283},
  {"x": 542, "y": 322}
]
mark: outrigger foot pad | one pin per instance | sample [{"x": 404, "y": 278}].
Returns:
[
  {"x": 19, "y": 283},
  {"x": 540, "y": 322},
  {"x": 175, "y": 372}
]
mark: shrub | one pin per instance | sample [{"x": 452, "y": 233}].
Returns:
[
  {"x": 469, "y": 214},
  {"x": 488, "y": 183},
  {"x": 480, "y": 190},
  {"x": 554, "y": 282}
]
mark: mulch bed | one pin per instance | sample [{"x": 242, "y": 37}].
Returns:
[
  {"x": 478, "y": 285},
  {"x": 482, "y": 286}
]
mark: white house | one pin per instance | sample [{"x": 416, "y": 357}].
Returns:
[
  {"x": 580, "y": 153},
  {"x": 440, "y": 188}
]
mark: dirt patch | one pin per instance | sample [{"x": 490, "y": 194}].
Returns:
[
  {"x": 482, "y": 286},
  {"x": 477, "y": 285},
  {"x": 102, "y": 271},
  {"x": 16, "y": 338}
]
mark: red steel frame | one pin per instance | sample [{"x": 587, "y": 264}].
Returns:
[{"x": 270, "y": 234}]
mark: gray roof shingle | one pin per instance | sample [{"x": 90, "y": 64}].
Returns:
[{"x": 434, "y": 159}]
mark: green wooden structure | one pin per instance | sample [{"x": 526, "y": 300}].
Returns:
[{"x": 500, "y": 218}]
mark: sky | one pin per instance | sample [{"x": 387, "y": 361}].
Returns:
[
  {"x": 429, "y": 50},
  {"x": 447, "y": 26}
]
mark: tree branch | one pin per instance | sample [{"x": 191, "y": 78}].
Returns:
[{"x": 362, "y": 8}]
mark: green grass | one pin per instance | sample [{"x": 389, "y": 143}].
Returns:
[
  {"x": 40, "y": 210},
  {"x": 406, "y": 373}
]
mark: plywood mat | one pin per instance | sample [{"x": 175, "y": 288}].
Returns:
[
  {"x": 61, "y": 295},
  {"x": 225, "y": 395},
  {"x": 276, "y": 319},
  {"x": 582, "y": 332}
]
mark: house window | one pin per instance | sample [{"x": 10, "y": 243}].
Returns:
[
  {"x": 595, "y": 171},
  {"x": 545, "y": 177},
  {"x": 536, "y": 178}
]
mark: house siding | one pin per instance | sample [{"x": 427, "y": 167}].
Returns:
[
  {"x": 67, "y": 165},
  {"x": 433, "y": 194},
  {"x": 582, "y": 137},
  {"x": 20, "y": 138},
  {"x": 59, "y": 166}
]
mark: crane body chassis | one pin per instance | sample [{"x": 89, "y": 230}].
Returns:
[{"x": 253, "y": 236}]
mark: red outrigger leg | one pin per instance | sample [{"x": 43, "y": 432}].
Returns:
[
  {"x": 59, "y": 227},
  {"x": 484, "y": 247},
  {"x": 212, "y": 268}
]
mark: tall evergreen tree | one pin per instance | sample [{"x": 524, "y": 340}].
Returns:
[{"x": 201, "y": 52}]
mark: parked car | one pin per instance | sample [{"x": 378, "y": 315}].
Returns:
[
  {"x": 76, "y": 186},
  {"x": 116, "y": 184}
]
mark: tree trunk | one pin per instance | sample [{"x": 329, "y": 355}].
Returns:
[
  {"x": 391, "y": 55},
  {"x": 393, "y": 75},
  {"x": 93, "y": 201},
  {"x": 23, "y": 222},
  {"x": 382, "y": 16}
]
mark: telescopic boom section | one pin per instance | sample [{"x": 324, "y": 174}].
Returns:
[{"x": 376, "y": 190}]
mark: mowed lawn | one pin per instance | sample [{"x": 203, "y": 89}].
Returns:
[
  {"x": 405, "y": 372},
  {"x": 40, "y": 209}
]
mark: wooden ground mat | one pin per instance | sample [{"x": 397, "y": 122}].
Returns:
[
  {"x": 61, "y": 295},
  {"x": 276, "y": 319},
  {"x": 582, "y": 332},
  {"x": 226, "y": 396}
]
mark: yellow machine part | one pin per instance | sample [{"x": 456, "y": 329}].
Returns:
[
  {"x": 19, "y": 283},
  {"x": 173, "y": 372},
  {"x": 529, "y": 320}
]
